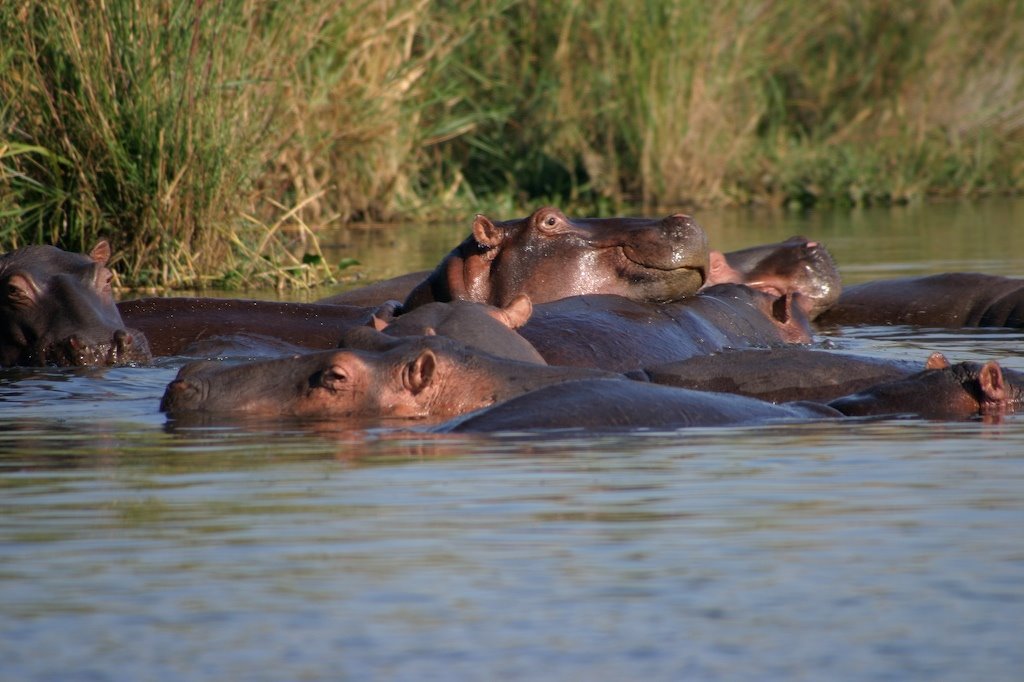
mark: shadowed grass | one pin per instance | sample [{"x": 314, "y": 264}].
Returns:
[{"x": 212, "y": 140}]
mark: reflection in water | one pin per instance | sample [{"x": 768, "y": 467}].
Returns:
[{"x": 136, "y": 548}]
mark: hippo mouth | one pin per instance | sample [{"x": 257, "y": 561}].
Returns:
[
  {"x": 674, "y": 269},
  {"x": 124, "y": 348}
]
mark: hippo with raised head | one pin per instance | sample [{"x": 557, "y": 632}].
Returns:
[
  {"x": 423, "y": 377},
  {"x": 57, "y": 308},
  {"x": 942, "y": 391},
  {"x": 548, "y": 256},
  {"x": 954, "y": 299},
  {"x": 618, "y": 334},
  {"x": 794, "y": 266}
]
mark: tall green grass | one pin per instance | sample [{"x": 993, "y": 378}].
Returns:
[{"x": 213, "y": 139}]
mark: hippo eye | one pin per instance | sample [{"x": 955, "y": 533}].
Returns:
[{"x": 551, "y": 221}]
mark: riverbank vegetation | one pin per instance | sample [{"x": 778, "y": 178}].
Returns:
[{"x": 211, "y": 140}]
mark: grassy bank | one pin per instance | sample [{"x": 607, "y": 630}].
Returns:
[{"x": 212, "y": 139}]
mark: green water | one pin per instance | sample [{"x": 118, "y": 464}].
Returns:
[{"x": 133, "y": 549}]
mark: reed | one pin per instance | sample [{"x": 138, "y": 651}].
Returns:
[{"x": 213, "y": 140}]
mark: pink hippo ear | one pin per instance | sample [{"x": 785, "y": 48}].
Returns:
[
  {"x": 936, "y": 361},
  {"x": 485, "y": 232},
  {"x": 515, "y": 314},
  {"x": 791, "y": 319},
  {"x": 377, "y": 323},
  {"x": 420, "y": 372},
  {"x": 100, "y": 253},
  {"x": 21, "y": 290},
  {"x": 993, "y": 386},
  {"x": 720, "y": 272}
]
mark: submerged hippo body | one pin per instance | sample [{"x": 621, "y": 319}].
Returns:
[
  {"x": 547, "y": 256},
  {"x": 955, "y": 299},
  {"x": 780, "y": 374},
  {"x": 177, "y": 326},
  {"x": 57, "y": 308},
  {"x": 617, "y": 334},
  {"x": 942, "y": 391},
  {"x": 614, "y": 405},
  {"x": 794, "y": 266},
  {"x": 425, "y": 377}
]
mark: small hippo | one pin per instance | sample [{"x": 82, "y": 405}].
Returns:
[
  {"x": 57, "y": 308},
  {"x": 950, "y": 300},
  {"x": 618, "y": 334},
  {"x": 614, "y": 405},
  {"x": 422, "y": 377},
  {"x": 794, "y": 266},
  {"x": 485, "y": 327},
  {"x": 779, "y": 374},
  {"x": 942, "y": 391},
  {"x": 547, "y": 256}
]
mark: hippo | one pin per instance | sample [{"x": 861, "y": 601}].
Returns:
[
  {"x": 780, "y": 374},
  {"x": 950, "y": 300},
  {"x": 418, "y": 378},
  {"x": 943, "y": 392},
  {"x": 614, "y": 405},
  {"x": 794, "y": 266},
  {"x": 547, "y": 256},
  {"x": 618, "y": 334},
  {"x": 484, "y": 327},
  {"x": 58, "y": 309},
  {"x": 183, "y": 326}
]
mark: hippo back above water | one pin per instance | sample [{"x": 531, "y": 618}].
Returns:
[
  {"x": 950, "y": 300},
  {"x": 57, "y": 308},
  {"x": 548, "y": 256}
]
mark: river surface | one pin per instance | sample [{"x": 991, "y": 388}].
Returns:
[{"x": 134, "y": 549}]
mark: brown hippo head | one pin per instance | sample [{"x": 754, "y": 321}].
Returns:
[
  {"x": 375, "y": 376},
  {"x": 942, "y": 391},
  {"x": 56, "y": 308},
  {"x": 548, "y": 256},
  {"x": 794, "y": 266}
]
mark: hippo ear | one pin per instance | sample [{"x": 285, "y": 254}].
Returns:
[
  {"x": 515, "y": 314},
  {"x": 936, "y": 361},
  {"x": 720, "y": 272},
  {"x": 993, "y": 386},
  {"x": 100, "y": 253},
  {"x": 377, "y": 323},
  {"x": 419, "y": 373},
  {"x": 21, "y": 290},
  {"x": 485, "y": 232}
]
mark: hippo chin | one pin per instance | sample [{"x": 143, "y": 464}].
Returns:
[
  {"x": 57, "y": 308},
  {"x": 548, "y": 256}
]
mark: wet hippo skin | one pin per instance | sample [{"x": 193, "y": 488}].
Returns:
[
  {"x": 612, "y": 405},
  {"x": 955, "y": 299},
  {"x": 781, "y": 374},
  {"x": 617, "y": 334},
  {"x": 175, "y": 324},
  {"x": 56, "y": 308},
  {"x": 548, "y": 256}
]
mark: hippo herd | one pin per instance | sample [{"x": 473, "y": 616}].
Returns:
[{"x": 543, "y": 322}]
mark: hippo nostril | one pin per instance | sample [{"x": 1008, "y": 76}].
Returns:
[{"x": 181, "y": 394}]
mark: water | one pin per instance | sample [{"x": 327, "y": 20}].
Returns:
[{"x": 131, "y": 549}]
